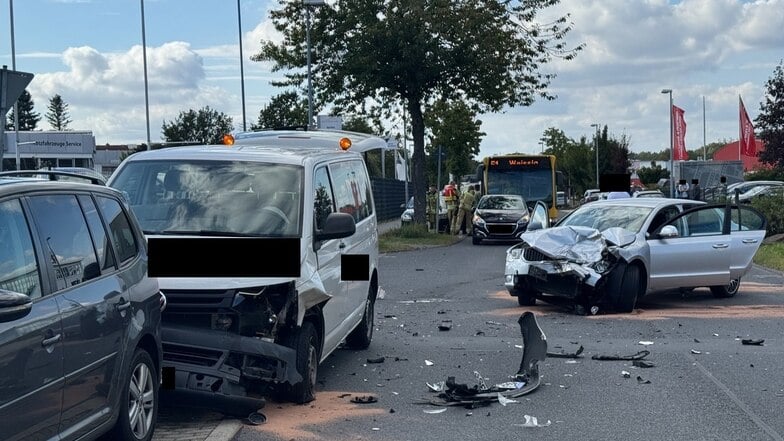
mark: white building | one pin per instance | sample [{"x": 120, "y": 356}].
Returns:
[{"x": 48, "y": 148}]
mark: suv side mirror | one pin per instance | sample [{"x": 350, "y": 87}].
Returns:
[
  {"x": 336, "y": 226},
  {"x": 14, "y": 305}
]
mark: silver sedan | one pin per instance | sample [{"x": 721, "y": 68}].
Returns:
[{"x": 609, "y": 253}]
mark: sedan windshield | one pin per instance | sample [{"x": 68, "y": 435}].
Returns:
[
  {"x": 236, "y": 198},
  {"x": 602, "y": 217}
]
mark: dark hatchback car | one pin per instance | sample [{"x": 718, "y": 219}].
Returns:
[
  {"x": 499, "y": 217},
  {"x": 80, "y": 349}
]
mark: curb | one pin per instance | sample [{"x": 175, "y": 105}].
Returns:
[{"x": 225, "y": 431}]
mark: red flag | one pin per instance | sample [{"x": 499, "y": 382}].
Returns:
[
  {"x": 678, "y": 135},
  {"x": 748, "y": 143}
]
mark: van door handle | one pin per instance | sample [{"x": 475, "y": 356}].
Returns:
[
  {"x": 749, "y": 240},
  {"x": 720, "y": 245},
  {"x": 51, "y": 340}
]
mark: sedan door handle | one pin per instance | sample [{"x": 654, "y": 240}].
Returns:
[
  {"x": 720, "y": 245},
  {"x": 51, "y": 340},
  {"x": 749, "y": 240},
  {"x": 342, "y": 245},
  {"x": 123, "y": 305}
]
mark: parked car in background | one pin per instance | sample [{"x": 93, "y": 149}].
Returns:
[
  {"x": 590, "y": 195},
  {"x": 407, "y": 217},
  {"x": 76, "y": 170},
  {"x": 80, "y": 348},
  {"x": 759, "y": 190},
  {"x": 282, "y": 264},
  {"x": 610, "y": 253},
  {"x": 560, "y": 199},
  {"x": 648, "y": 194},
  {"x": 499, "y": 217}
]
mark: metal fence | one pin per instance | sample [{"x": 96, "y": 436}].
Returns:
[{"x": 388, "y": 195}]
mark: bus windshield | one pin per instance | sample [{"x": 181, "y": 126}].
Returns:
[{"x": 532, "y": 184}]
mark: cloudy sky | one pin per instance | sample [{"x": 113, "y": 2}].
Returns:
[{"x": 90, "y": 53}]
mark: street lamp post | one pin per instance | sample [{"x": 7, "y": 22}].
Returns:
[
  {"x": 242, "y": 69},
  {"x": 146, "y": 88},
  {"x": 308, "y": 4},
  {"x": 596, "y": 148},
  {"x": 672, "y": 169}
]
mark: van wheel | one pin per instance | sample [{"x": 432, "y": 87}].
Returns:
[
  {"x": 360, "y": 337},
  {"x": 305, "y": 342},
  {"x": 725, "y": 291},
  {"x": 139, "y": 400}
]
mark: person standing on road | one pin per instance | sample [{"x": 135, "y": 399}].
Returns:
[
  {"x": 432, "y": 209},
  {"x": 450, "y": 197},
  {"x": 465, "y": 211}
]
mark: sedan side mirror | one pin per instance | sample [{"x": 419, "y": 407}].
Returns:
[{"x": 668, "y": 231}]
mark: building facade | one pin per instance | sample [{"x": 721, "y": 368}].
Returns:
[{"x": 37, "y": 149}]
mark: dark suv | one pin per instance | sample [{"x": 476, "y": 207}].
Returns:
[{"x": 80, "y": 349}]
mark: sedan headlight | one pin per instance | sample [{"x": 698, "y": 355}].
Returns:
[
  {"x": 479, "y": 221},
  {"x": 523, "y": 220}
]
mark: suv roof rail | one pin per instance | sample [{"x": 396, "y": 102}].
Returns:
[{"x": 52, "y": 175}]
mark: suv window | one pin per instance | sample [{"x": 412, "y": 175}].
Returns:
[
  {"x": 65, "y": 236},
  {"x": 18, "y": 266},
  {"x": 100, "y": 240},
  {"x": 122, "y": 234}
]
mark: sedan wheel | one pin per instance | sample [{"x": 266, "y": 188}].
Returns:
[
  {"x": 629, "y": 290},
  {"x": 728, "y": 290}
]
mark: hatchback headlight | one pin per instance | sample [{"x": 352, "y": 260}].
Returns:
[
  {"x": 514, "y": 253},
  {"x": 523, "y": 220},
  {"x": 479, "y": 221}
]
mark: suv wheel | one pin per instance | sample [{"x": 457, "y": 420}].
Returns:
[
  {"x": 728, "y": 290},
  {"x": 306, "y": 342},
  {"x": 139, "y": 400},
  {"x": 361, "y": 335}
]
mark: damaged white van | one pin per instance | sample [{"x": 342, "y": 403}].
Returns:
[{"x": 267, "y": 251}]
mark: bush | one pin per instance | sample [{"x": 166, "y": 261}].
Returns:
[
  {"x": 772, "y": 207},
  {"x": 413, "y": 231}
]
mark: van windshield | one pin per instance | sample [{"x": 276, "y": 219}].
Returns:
[{"x": 214, "y": 197}]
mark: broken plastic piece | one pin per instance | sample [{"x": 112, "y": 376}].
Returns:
[
  {"x": 642, "y": 380},
  {"x": 532, "y": 421},
  {"x": 638, "y": 356},
  {"x": 437, "y": 387},
  {"x": 510, "y": 385},
  {"x": 445, "y": 325},
  {"x": 626, "y": 374},
  {"x": 429, "y": 363},
  {"x": 696, "y": 352},
  {"x": 645, "y": 343},
  {"x": 481, "y": 380},
  {"x": 504, "y": 401},
  {"x": 434, "y": 411},
  {"x": 364, "y": 399},
  {"x": 748, "y": 341},
  {"x": 576, "y": 354},
  {"x": 642, "y": 364},
  {"x": 376, "y": 360}
]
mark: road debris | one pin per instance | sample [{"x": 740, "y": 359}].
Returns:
[
  {"x": 434, "y": 411},
  {"x": 257, "y": 418},
  {"x": 562, "y": 354},
  {"x": 445, "y": 325},
  {"x": 696, "y": 352},
  {"x": 641, "y": 380},
  {"x": 504, "y": 401},
  {"x": 526, "y": 380},
  {"x": 437, "y": 387},
  {"x": 645, "y": 343},
  {"x": 376, "y": 360},
  {"x": 752, "y": 342},
  {"x": 532, "y": 421},
  {"x": 364, "y": 399},
  {"x": 638, "y": 356},
  {"x": 642, "y": 364},
  {"x": 626, "y": 374},
  {"x": 429, "y": 363}
]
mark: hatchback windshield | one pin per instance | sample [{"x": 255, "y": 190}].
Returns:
[
  {"x": 501, "y": 203},
  {"x": 602, "y": 217},
  {"x": 212, "y": 197}
]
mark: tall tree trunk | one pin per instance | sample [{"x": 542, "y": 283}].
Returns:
[{"x": 418, "y": 159}]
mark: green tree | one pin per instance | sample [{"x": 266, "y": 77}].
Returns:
[
  {"x": 574, "y": 158},
  {"x": 28, "y": 119},
  {"x": 284, "y": 110},
  {"x": 651, "y": 175},
  {"x": 770, "y": 121},
  {"x": 613, "y": 153},
  {"x": 488, "y": 53},
  {"x": 205, "y": 126},
  {"x": 58, "y": 116},
  {"x": 454, "y": 127}
]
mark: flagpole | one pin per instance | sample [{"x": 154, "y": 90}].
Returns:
[{"x": 740, "y": 125}]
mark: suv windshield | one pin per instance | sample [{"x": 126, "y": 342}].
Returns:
[{"x": 214, "y": 197}]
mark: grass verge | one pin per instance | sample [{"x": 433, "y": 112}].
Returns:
[
  {"x": 412, "y": 237},
  {"x": 771, "y": 256}
]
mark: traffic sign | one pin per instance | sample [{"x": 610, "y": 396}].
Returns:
[{"x": 12, "y": 84}]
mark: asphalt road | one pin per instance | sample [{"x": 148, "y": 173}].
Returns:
[{"x": 705, "y": 384}]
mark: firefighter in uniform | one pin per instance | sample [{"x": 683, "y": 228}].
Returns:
[
  {"x": 451, "y": 199},
  {"x": 432, "y": 209},
  {"x": 465, "y": 211}
]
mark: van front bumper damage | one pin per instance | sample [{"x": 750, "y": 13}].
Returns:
[{"x": 222, "y": 370}]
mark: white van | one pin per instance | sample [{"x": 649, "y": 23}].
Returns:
[{"x": 267, "y": 251}]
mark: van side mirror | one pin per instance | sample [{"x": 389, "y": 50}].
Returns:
[{"x": 336, "y": 226}]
